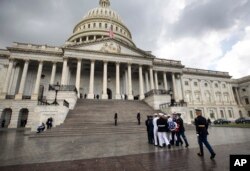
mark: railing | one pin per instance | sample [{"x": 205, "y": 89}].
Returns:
[
  {"x": 63, "y": 88},
  {"x": 156, "y": 92},
  {"x": 173, "y": 104},
  {"x": 66, "y": 104}
]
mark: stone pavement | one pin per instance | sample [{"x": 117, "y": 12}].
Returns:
[{"x": 113, "y": 152}]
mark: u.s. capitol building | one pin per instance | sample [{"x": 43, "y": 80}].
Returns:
[{"x": 100, "y": 61}]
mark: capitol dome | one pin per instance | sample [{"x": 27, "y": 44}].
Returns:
[{"x": 97, "y": 25}]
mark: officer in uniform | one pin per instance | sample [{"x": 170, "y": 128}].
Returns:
[{"x": 201, "y": 131}]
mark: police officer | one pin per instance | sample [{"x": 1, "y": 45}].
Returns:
[{"x": 201, "y": 131}]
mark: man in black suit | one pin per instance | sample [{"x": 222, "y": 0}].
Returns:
[{"x": 201, "y": 131}]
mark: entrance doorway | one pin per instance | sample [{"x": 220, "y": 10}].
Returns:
[
  {"x": 5, "y": 118},
  {"x": 109, "y": 92},
  {"x": 23, "y": 117}
]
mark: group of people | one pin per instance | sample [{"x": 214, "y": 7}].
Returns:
[
  {"x": 165, "y": 130},
  {"x": 168, "y": 130},
  {"x": 49, "y": 125}
]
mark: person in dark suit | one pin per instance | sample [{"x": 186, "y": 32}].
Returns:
[
  {"x": 201, "y": 131},
  {"x": 115, "y": 118},
  {"x": 181, "y": 131},
  {"x": 150, "y": 129},
  {"x": 139, "y": 118}
]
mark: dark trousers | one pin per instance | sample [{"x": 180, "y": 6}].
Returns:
[
  {"x": 115, "y": 122},
  {"x": 139, "y": 121},
  {"x": 179, "y": 135},
  {"x": 150, "y": 136},
  {"x": 202, "y": 139}
]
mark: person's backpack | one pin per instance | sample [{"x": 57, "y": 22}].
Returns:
[{"x": 171, "y": 126}]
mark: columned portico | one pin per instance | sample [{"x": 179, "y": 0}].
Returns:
[
  {"x": 118, "y": 93},
  {"x": 53, "y": 74},
  {"x": 19, "y": 96},
  {"x": 91, "y": 81},
  {"x": 141, "y": 86},
  {"x": 130, "y": 93},
  {"x": 64, "y": 71},
  {"x": 78, "y": 76},
  {"x": 7, "y": 80},
  {"x": 151, "y": 78},
  {"x": 156, "y": 81},
  {"x": 105, "y": 82},
  {"x": 38, "y": 79}
]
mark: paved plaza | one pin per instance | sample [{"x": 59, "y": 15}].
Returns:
[{"x": 117, "y": 152}]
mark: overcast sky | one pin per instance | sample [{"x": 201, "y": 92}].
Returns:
[{"x": 206, "y": 34}]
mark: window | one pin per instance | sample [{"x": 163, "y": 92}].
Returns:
[
  {"x": 240, "y": 113},
  {"x": 211, "y": 114},
  {"x": 88, "y": 25},
  {"x": 116, "y": 29},
  {"x": 224, "y": 85},
  {"x": 106, "y": 25},
  {"x": 94, "y": 25},
  {"x": 222, "y": 113},
  {"x": 205, "y": 84},
  {"x": 216, "y": 85},
  {"x": 230, "y": 113},
  {"x": 246, "y": 101},
  {"x": 197, "y": 97},
  {"x": 100, "y": 25},
  {"x": 186, "y": 83},
  {"x": 218, "y": 97},
  {"x": 243, "y": 90},
  {"x": 248, "y": 113},
  {"x": 226, "y": 96},
  {"x": 208, "y": 96},
  {"x": 191, "y": 114},
  {"x": 195, "y": 84}
]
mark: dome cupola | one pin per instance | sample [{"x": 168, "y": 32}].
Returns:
[{"x": 98, "y": 23}]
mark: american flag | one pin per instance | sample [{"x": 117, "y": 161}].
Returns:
[{"x": 111, "y": 33}]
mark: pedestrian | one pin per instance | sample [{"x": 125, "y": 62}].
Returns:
[
  {"x": 3, "y": 123},
  {"x": 181, "y": 131},
  {"x": 172, "y": 128},
  {"x": 150, "y": 129},
  {"x": 209, "y": 121},
  {"x": 201, "y": 131},
  {"x": 115, "y": 118},
  {"x": 41, "y": 128},
  {"x": 155, "y": 129},
  {"x": 139, "y": 118},
  {"x": 161, "y": 123}
]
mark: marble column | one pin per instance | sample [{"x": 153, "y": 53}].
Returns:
[
  {"x": 118, "y": 93},
  {"x": 156, "y": 81},
  {"x": 78, "y": 76},
  {"x": 142, "y": 96},
  {"x": 19, "y": 96},
  {"x": 147, "y": 82},
  {"x": 165, "y": 81},
  {"x": 238, "y": 96},
  {"x": 38, "y": 80},
  {"x": 230, "y": 90},
  {"x": 126, "y": 82},
  {"x": 91, "y": 81},
  {"x": 212, "y": 92},
  {"x": 182, "y": 88},
  {"x": 105, "y": 81},
  {"x": 53, "y": 74},
  {"x": 202, "y": 93},
  {"x": 151, "y": 78},
  {"x": 64, "y": 71},
  {"x": 7, "y": 80},
  {"x": 175, "y": 95},
  {"x": 130, "y": 93}
]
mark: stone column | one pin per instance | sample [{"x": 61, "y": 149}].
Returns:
[
  {"x": 126, "y": 82},
  {"x": 175, "y": 95},
  {"x": 64, "y": 71},
  {"x": 202, "y": 95},
  {"x": 238, "y": 96},
  {"x": 53, "y": 74},
  {"x": 156, "y": 81},
  {"x": 147, "y": 82},
  {"x": 19, "y": 96},
  {"x": 212, "y": 92},
  {"x": 230, "y": 90},
  {"x": 118, "y": 93},
  {"x": 105, "y": 82},
  {"x": 38, "y": 79},
  {"x": 91, "y": 81},
  {"x": 192, "y": 90},
  {"x": 78, "y": 76},
  {"x": 222, "y": 95},
  {"x": 130, "y": 94},
  {"x": 151, "y": 78},
  {"x": 165, "y": 81},
  {"x": 142, "y": 96},
  {"x": 182, "y": 88},
  {"x": 7, "y": 80}
]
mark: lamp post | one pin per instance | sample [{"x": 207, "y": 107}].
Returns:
[{"x": 57, "y": 88}]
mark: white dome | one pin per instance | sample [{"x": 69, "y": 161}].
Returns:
[{"x": 97, "y": 24}]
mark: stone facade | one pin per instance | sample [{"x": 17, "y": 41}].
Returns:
[{"x": 94, "y": 64}]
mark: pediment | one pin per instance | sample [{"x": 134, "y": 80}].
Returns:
[{"x": 109, "y": 46}]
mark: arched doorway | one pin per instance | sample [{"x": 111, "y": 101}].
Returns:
[
  {"x": 109, "y": 92},
  {"x": 23, "y": 118},
  {"x": 5, "y": 118}
]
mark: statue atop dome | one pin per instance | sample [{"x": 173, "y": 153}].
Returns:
[{"x": 104, "y": 3}]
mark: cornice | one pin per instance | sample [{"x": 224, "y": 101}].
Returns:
[{"x": 201, "y": 72}]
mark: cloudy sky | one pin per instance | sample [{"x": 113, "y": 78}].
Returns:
[{"x": 206, "y": 34}]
